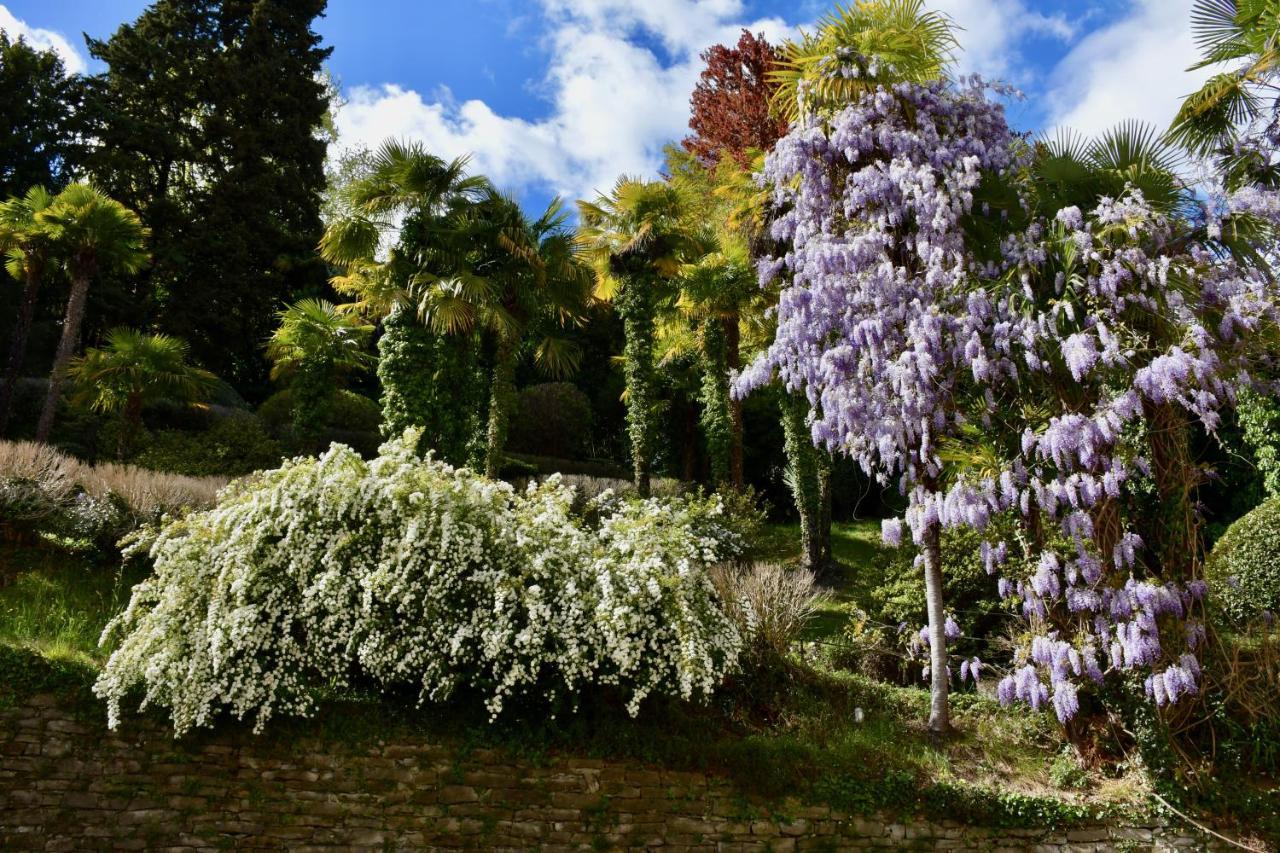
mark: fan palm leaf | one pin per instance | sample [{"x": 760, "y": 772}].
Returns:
[{"x": 858, "y": 47}]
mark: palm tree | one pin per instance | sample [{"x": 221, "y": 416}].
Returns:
[
  {"x": 402, "y": 179},
  {"x": 714, "y": 290},
  {"x": 314, "y": 346},
  {"x": 27, "y": 247},
  {"x": 132, "y": 369},
  {"x": 523, "y": 276},
  {"x": 637, "y": 239},
  {"x": 857, "y": 48},
  {"x": 94, "y": 234},
  {"x": 401, "y": 199},
  {"x": 1245, "y": 33}
]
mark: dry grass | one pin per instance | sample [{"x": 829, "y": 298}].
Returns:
[
  {"x": 57, "y": 477},
  {"x": 771, "y": 603},
  {"x": 34, "y": 480}
]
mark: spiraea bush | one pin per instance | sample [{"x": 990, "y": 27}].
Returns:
[{"x": 413, "y": 574}]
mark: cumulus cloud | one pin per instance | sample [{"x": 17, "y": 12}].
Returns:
[
  {"x": 1132, "y": 68},
  {"x": 43, "y": 40},
  {"x": 613, "y": 102},
  {"x": 621, "y": 71}
]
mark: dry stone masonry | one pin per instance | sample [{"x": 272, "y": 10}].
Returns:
[{"x": 68, "y": 784}]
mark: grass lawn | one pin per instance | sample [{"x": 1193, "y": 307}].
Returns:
[
  {"x": 855, "y": 545},
  {"x": 55, "y": 600}
]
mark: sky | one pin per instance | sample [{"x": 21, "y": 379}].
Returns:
[{"x": 560, "y": 97}]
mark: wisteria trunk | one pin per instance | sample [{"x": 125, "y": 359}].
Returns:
[
  {"x": 66, "y": 349},
  {"x": 18, "y": 346},
  {"x": 501, "y": 400},
  {"x": 1176, "y": 534},
  {"x": 939, "y": 709},
  {"x": 824, "y": 508}
]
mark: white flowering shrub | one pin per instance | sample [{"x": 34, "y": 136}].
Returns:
[{"x": 415, "y": 574}]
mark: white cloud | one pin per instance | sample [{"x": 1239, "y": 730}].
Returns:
[
  {"x": 1132, "y": 68},
  {"x": 43, "y": 40},
  {"x": 613, "y": 102},
  {"x": 621, "y": 72},
  {"x": 992, "y": 30}
]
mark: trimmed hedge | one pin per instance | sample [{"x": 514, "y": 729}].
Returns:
[{"x": 1243, "y": 569}]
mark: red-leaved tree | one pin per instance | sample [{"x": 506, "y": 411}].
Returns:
[{"x": 731, "y": 102}]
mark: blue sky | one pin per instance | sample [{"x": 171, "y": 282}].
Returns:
[{"x": 561, "y": 96}]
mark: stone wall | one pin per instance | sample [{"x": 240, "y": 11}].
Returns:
[{"x": 66, "y": 783}]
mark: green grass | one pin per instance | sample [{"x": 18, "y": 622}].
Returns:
[
  {"x": 856, "y": 547},
  {"x": 55, "y": 600}
]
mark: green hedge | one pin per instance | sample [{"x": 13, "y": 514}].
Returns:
[{"x": 1243, "y": 569}]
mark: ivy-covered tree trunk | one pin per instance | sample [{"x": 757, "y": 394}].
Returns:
[
  {"x": 737, "y": 428},
  {"x": 428, "y": 382},
  {"x": 313, "y": 391},
  {"x": 405, "y": 354},
  {"x": 939, "y": 710},
  {"x": 803, "y": 477},
  {"x": 66, "y": 349},
  {"x": 635, "y": 305},
  {"x": 502, "y": 396},
  {"x": 18, "y": 346},
  {"x": 716, "y": 416}
]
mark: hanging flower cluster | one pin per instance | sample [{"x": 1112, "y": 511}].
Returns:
[
  {"x": 1075, "y": 359},
  {"x": 873, "y": 203},
  {"x": 1125, "y": 328},
  {"x": 415, "y": 574}
]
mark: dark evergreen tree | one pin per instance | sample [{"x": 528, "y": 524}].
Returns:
[
  {"x": 39, "y": 111},
  {"x": 210, "y": 120}
]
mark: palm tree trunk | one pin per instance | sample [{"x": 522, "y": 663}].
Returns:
[
  {"x": 803, "y": 478},
  {"x": 939, "y": 710},
  {"x": 67, "y": 345},
  {"x": 737, "y": 430},
  {"x": 502, "y": 398},
  {"x": 18, "y": 346},
  {"x": 133, "y": 423}
]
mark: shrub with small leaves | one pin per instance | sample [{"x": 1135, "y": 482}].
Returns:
[
  {"x": 1243, "y": 570},
  {"x": 411, "y": 573}
]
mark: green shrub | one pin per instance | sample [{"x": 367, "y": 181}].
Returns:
[
  {"x": 969, "y": 592},
  {"x": 552, "y": 419},
  {"x": 1243, "y": 570},
  {"x": 348, "y": 412},
  {"x": 232, "y": 447}
]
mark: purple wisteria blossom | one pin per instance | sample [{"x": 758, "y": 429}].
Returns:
[{"x": 901, "y": 338}]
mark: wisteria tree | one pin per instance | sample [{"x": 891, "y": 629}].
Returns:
[
  {"x": 873, "y": 325},
  {"x": 1030, "y": 330}
]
